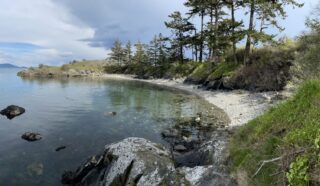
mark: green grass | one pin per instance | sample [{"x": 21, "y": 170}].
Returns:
[
  {"x": 222, "y": 70},
  {"x": 291, "y": 127}
]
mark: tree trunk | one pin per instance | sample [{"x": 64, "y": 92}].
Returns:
[
  {"x": 211, "y": 21},
  {"x": 196, "y": 45},
  {"x": 181, "y": 48},
  {"x": 234, "y": 44},
  {"x": 216, "y": 28},
  {"x": 201, "y": 35},
  {"x": 250, "y": 30}
]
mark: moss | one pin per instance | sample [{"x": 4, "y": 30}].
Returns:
[
  {"x": 201, "y": 73},
  {"x": 222, "y": 70},
  {"x": 288, "y": 128}
]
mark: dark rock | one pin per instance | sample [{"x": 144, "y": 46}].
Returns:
[
  {"x": 169, "y": 133},
  {"x": 30, "y": 136},
  {"x": 60, "y": 148},
  {"x": 12, "y": 111},
  {"x": 110, "y": 114}
]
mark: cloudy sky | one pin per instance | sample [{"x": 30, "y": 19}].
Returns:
[{"x": 57, "y": 31}]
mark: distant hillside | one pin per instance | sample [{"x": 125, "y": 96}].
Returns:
[{"x": 7, "y": 65}]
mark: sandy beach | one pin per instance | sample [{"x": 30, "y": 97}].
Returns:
[{"x": 241, "y": 106}]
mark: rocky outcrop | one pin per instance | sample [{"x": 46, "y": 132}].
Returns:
[
  {"x": 12, "y": 111},
  {"x": 136, "y": 161},
  {"x": 133, "y": 161},
  {"x": 41, "y": 73}
]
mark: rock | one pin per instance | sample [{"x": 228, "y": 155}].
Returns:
[
  {"x": 110, "y": 114},
  {"x": 12, "y": 111},
  {"x": 133, "y": 161},
  {"x": 172, "y": 133},
  {"x": 60, "y": 148},
  {"x": 206, "y": 175},
  {"x": 198, "y": 119},
  {"x": 35, "y": 169},
  {"x": 30, "y": 136},
  {"x": 180, "y": 148}
]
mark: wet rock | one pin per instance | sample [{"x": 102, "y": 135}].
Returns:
[
  {"x": 60, "y": 148},
  {"x": 133, "y": 161},
  {"x": 170, "y": 133},
  {"x": 12, "y": 111},
  {"x": 110, "y": 114},
  {"x": 30, "y": 136},
  {"x": 35, "y": 169},
  {"x": 180, "y": 148},
  {"x": 206, "y": 175}
]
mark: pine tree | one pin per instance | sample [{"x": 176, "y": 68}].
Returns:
[
  {"x": 140, "y": 54},
  {"x": 128, "y": 52},
  {"x": 117, "y": 52},
  {"x": 179, "y": 27},
  {"x": 198, "y": 7}
]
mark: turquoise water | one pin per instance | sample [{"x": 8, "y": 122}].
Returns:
[{"x": 73, "y": 113}]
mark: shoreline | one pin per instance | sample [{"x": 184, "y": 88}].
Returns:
[{"x": 241, "y": 106}]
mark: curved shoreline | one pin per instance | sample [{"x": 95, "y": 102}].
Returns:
[{"x": 240, "y": 106}]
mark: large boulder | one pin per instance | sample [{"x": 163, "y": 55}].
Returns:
[
  {"x": 12, "y": 111},
  {"x": 133, "y": 161},
  {"x": 137, "y": 161}
]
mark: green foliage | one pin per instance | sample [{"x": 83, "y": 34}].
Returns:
[
  {"x": 291, "y": 131},
  {"x": 222, "y": 70},
  {"x": 297, "y": 175}
]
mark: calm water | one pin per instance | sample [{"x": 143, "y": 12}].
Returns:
[{"x": 73, "y": 113}]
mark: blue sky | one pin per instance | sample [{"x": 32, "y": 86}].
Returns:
[{"x": 57, "y": 31}]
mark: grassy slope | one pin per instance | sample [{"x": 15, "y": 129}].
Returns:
[{"x": 286, "y": 130}]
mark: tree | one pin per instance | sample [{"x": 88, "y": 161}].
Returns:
[
  {"x": 117, "y": 52},
  {"x": 153, "y": 51},
  {"x": 179, "y": 26},
  {"x": 140, "y": 54},
  {"x": 128, "y": 52},
  {"x": 198, "y": 7},
  {"x": 267, "y": 12}
]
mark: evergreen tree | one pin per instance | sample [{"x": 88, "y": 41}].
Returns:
[
  {"x": 198, "y": 7},
  {"x": 267, "y": 13},
  {"x": 117, "y": 52},
  {"x": 128, "y": 52},
  {"x": 140, "y": 54},
  {"x": 179, "y": 26}
]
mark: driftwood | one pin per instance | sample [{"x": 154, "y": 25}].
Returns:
[{"x": 264, "y": 162}]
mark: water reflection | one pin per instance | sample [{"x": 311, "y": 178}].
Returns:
[{"x": 72, "y": 113}]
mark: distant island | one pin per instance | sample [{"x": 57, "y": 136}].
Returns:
[{"x": 8, "y": 65}]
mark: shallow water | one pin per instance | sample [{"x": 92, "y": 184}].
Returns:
[{"x": 74, "y": 113}]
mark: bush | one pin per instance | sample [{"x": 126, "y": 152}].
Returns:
[{"x": 267, "y": 70}]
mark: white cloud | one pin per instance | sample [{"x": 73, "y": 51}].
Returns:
[{"x": 48, "y": 25}]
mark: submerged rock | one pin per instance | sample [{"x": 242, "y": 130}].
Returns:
[
  {"x": 35, "y": 169},
  {"x": 110, "y": 114},
  {"x": 30, "y": 136},
  {"x": 60, "y": 148},
  {"x": 12, "y": 111}
]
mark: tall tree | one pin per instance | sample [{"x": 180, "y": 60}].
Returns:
[
  {"x": 153, "y": 50},
  {"x": 117, "y": 52},
  {"x": 198, "y": 7},
  {"x": 268, "y": 12},
  {"x": 179, "y": 26},
  {"x": 140, "y": 54},
  {"x": 128, "y": 52}
]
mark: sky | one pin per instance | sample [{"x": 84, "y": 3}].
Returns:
[{"x": 55, "y": 32}]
